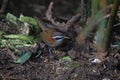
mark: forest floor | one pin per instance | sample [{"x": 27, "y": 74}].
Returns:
[{"x": 45, "y": 68}]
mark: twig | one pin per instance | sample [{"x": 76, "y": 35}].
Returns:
[
  {"x": 3, "y": 78},
  {"x": 49, "y": 13},
  {"x": 118, "y": 24},
  {"x": 49, "y": 16},
  {"x": 8, "y": 77},
  {"x": 4, "y": 5}
]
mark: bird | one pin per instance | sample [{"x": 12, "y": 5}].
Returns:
[{"x": 51, "y": 37}]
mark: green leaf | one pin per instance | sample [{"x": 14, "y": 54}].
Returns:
[
  {"x": 73, "y": 65},
  {"x": 68, "y": 58},
  {"x": 30, "y": 20},
  {"x": 27, "y": 19},
  {"x": 15, "y": 44},
  {"x": 19, "y": 36},
  {"x": 23, "y": 58},
  {"x": 2, "y": 32},
  {"x": 11, "y": 18}
]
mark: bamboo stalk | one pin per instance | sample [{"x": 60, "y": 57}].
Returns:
[
  {"x": 100, "y": 34},
  {"x": 106, "y": 41},
  {"x": 101, "y": 15},
  {"x": 88, "y": 8},
  {"x": 103, "y": 4},
  {"x": 95, "y": 6}
]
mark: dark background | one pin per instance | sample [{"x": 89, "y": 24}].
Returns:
[{"x": 38, "y": 7}]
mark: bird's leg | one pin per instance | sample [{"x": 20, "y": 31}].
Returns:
[{"x": 52, "y": 52}]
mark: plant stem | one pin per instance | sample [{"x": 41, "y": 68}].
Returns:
[
  {"x": 95, "y": 7},
  {"x": 111, "y": 20},
  {"x": 100, "y": 34}
]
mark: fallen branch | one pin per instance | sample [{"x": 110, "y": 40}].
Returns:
[{"x": 61, "y": 26}]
